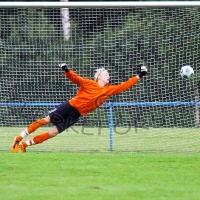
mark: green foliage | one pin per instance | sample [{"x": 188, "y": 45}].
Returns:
[{"x": 32, "y": 42}]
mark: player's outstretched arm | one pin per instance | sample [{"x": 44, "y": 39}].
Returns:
[
  {"x": 130, "y": 82},
  {"x": 72, "y": 76}
]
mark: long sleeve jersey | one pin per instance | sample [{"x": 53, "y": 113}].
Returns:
[{"x": 90, "y": 95}]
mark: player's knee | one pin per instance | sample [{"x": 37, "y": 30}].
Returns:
[
  {"x": 47, "y": 119},
  {"x": 53, "y": 132}
]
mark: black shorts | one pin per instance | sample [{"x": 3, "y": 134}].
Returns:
[{"x": 64, "y": 116}]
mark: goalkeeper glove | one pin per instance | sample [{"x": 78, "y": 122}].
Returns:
[
  {"x": 142, "y": 72},
  {"x": 64, "y": 67}
]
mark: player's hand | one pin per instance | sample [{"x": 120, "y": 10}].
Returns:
[
  {"x": 142, "y": 71},
  {"x": 64, "y": 67}
]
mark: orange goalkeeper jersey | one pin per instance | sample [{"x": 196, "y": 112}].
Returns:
[{"x": 91, "y": 95}]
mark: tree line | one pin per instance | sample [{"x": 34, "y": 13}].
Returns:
[{"x": 119, "y": 39}]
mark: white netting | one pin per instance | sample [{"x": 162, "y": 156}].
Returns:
[{"x": 33, "y": 44}]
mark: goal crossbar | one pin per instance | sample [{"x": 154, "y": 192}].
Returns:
[{"x": 107, "y": 4}]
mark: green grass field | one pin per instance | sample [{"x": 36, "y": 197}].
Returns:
[{"x": 148, "y": 164}]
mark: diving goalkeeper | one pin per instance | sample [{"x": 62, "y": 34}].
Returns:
[{"x": 91, "y": 94}]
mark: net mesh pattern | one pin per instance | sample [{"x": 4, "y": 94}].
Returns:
[{"x": 35, "y": 40}]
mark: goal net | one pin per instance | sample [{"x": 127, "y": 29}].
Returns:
[{"x": 160, "y": 113}]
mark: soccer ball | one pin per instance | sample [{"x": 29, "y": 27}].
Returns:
[{"x": 187, "y": 71}]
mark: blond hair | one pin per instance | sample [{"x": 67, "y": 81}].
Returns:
[{"x": 98, "y": 72}]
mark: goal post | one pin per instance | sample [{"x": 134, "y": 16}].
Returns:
[{"x": 160, "y": 113}]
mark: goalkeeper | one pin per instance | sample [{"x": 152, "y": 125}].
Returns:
[{"x": 91, "y": 94}]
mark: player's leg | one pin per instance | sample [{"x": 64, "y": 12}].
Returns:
[
  {"x": 62, "y": 117},
  {"x": 30, "y": 129},
  {"x": 38, "y": 139}
]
